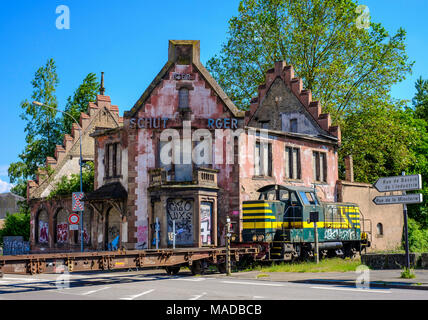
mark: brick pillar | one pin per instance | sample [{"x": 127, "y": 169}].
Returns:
[{"x": 349, "y": 169}]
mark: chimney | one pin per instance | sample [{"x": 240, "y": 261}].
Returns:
[
  {"x": 349, "y": 169},
  {"x": 102, "y": 89}
]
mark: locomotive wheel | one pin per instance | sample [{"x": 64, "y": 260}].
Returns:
[{"x": 172, "y": 271}]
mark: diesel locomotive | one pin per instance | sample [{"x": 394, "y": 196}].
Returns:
[{"x": 281, "y": 222}]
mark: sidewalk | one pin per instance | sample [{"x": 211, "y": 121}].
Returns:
[{"x": 377, "y": 278}]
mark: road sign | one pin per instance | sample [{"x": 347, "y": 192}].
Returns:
[
  {"x": 73, "y": 218},
  {"x": 74, "y": 227},
  {"x": 399, "y": 199},
  {"x": 77, "y": 204},
  {"x": 399, "y": 183}
]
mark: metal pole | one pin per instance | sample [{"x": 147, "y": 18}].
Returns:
[
  {"x": 406, "y": 234},
  {"x": 228, "y": 269},
  {"x": 81, "y": 190},
  {"x": 317, "y": 259},
  {"x": 173, "y": 234},
  {"x": 157, "y": 232}
]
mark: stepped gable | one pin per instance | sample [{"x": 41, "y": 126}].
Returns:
[
  {"x": 71, "y": 146},
  {"x": 286, "y": 74}
]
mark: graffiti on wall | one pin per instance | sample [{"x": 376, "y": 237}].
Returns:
[
  {"x": 13, "y": 245},
  {"x": 142, "y": 235},
  {"x": 61, "y": 233},
  {"x": 180, "y": 211},
  {"x": 43, "y": 232},
  {"x": 206, "y": 209}
]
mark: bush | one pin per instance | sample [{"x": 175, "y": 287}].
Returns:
[
  {"x": 17, "y": 224},
  {"x": 418, "y": 237}
]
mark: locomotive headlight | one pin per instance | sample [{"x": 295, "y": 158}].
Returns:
[
  {"x": 260, "y": 238},
  {"x": 233, "y": 238},
  {"x": 254, "y": 238}
]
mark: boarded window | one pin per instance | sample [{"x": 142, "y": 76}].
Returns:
[
  {"x": 183, "y": 98},
  {"x": 319, "y": 166},
  {"x": 113, "y": 160},
  {"x": 263, "y": 159},
  {"x": 292, "y": 163}
]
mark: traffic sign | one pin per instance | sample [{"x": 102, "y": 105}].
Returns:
[
  {"x": 77, "y": 204},
  {"x": 399, "y": 199},
  {"x": 73, "y": 218},
  {"x": 74, "y": 227},
  {"x": 399, "y": 183}
]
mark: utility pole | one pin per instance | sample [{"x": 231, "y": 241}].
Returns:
[
  {"x": 228, "y": 269},
  {"x": 157, "y": 232},
  {"x": 406, "y": 234},
  {"x": 173, "y": 234}
]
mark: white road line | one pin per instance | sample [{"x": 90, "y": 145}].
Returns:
[
  {"x": 28, "y": 279},
  {"x": 258, "y": 297},
  {"x": 255, "y": 283},
  {"x": 198, "y": 296},
  {"x": 93, "y": 291},
  {"x": 185, "y": 279},
  {"x": 351, "y": 289},
  {"x": 138, "y": 295}
]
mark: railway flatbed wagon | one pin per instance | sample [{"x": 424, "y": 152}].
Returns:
[{"x": 197, "y": 259}]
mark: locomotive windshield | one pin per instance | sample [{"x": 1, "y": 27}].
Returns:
[{"x": 308, "y": 198}]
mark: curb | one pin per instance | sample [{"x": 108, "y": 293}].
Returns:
[{"x": 374, "y": 284}]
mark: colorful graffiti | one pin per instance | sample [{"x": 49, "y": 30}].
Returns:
[
  {"x": 61, "y": 233},
  {"x": 180, "y": 211},
  {"x": 142, "y": 236},
  {"x": 43, "y": 232},
  {"x": 206, "y": 209}
]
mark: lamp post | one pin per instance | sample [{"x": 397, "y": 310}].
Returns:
[{"x": 80, "y": 162}]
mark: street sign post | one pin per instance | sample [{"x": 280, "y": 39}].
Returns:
[
  {"x": 399, "y": 199},
  {"x": 399, "y": 183}
]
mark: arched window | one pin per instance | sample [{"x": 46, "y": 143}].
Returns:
[
  {"x": 183, "y": 98},
  {"x": 379, "y": 229},
  {"x": 42, "y": 227},
  {"x": 61, "y": 227}
]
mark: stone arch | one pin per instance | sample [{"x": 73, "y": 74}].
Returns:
[
  {"x": 42, "y": 227},
  {"x": 61, "y": 227},
  {"x": 113, "y": 224}
]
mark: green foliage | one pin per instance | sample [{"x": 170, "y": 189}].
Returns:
[
  {"x": 68, "y": 185},
  {"x": 85, "y": 93},
  {"x": 342, "y": 64},
  {"x": 17, "y": 224},
  {"x": 418, "y": 237},
  {"x": 407, "y": 274},
  {"x": 42, "y": 128},
  {"x": 420, "y": 101}
]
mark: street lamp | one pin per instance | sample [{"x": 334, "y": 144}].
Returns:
[{"x": 80, "y": 162}]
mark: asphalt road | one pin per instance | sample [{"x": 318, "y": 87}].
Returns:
[{"x": 156, "y": 285}]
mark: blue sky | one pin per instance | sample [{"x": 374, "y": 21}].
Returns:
[{"x": 128, "y": 40}]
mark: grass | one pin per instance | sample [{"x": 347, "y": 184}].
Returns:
[
  {"x": 262, "y": 275},
  {"x": 408, "y": 274},
  {"x": 327, "y": 265}
]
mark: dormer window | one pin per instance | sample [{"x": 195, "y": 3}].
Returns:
[{"x": 183, "y": 98}]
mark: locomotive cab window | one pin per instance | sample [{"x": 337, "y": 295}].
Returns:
[{"x": 308, "y": 198}]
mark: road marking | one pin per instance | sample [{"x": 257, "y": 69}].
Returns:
[
  {"x": 93, "y": 291},
  {"x": 255, "y": 283},
  {"x": 258, "y": 297},
  {"x": 351, "y": 289},
  {"x": 192, "y": 279},
  {"x": 198, "y": 296},
  {"x": 138, "y": 295}
]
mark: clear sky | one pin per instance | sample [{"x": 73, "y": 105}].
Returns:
[{"x": 128, "y": 40}]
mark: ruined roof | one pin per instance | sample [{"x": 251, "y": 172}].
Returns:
[
  {"x": 185, "y": 52},
  {"x": 113, "y": 190}
]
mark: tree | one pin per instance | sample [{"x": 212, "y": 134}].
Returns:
[
  {"x": 342, "y": 64},
  {"x": 420, "y": 101},
  {"x": 42, "y": 129},
  {"x": 85, "y": 93},
  {"x": 17, "y": 224}
]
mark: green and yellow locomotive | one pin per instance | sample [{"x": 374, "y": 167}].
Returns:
[{"x": 280, "y": 223}]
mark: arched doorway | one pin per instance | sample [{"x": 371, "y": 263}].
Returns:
[
  {"x": 61, "y": 226},
  {"x": 113, "y": 229},
  {"x": 42, "y": 227}
]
